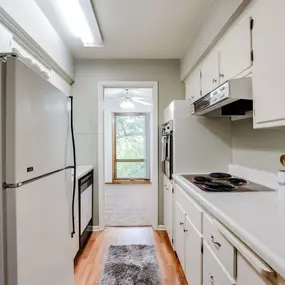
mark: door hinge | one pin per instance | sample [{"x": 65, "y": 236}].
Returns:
[
  {"x": 172, "y": 189},
  {"x": 202, "y": 248},
  {"x": 172, "y": 241},
  {"x": 252, "y": 56},
  {"x": 200, "y": 92},
  {"x": 251, "y": 23}
]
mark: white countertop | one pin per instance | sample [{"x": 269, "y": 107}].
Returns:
[
  {"x": 257, "y": 218},
  {"x": 81, "y": 170}
]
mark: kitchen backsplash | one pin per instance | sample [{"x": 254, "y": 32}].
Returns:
[{"x": 257, "y": 149}]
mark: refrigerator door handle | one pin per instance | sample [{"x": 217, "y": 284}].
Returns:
[{"x": 74, "y": 166}]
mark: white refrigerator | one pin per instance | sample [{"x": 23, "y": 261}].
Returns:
[{"x": 37, "y": 188}]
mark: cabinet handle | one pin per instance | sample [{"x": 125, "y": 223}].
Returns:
[
  {"x": 215, "y": 242},
  {"x": 212, "y": 279},
  {"x": 214, "y": 80},
  {"x": 185, "y": 231},
  {"x": 181, "y": 224},
  {"x": 222, "y": 75}
]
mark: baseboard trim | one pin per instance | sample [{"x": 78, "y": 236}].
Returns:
[
  {"x": 96, "y": 229},
  {"x": 161, "y": 228}
]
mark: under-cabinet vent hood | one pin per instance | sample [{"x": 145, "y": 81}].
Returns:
[{"x": 233, "y": 98}]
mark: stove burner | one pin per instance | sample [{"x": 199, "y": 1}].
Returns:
[
  {"x": 237, "y": 181},
  {"x": 218, "y": 187},
  {"x": 220, "y": 175},
  {"x": 201, "y": 179}
]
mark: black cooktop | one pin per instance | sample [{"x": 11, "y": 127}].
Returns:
[{"x": 224, "y": 182}]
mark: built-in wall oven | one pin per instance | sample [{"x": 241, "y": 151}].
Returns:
[{"x": 167, "y": 149}]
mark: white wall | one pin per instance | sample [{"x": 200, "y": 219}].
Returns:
[
  {"x": 125, "y": 205},
  {"x": 257, "y": 149},
  {"x": 85, "y": 90},
  {"x": 29, "y": 16},
  {"x": 223, "y": 14}
]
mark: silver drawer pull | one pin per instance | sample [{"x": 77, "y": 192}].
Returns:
[
  {"x": 181, "y": 224},
  {"x": 212, "y": 279},
  {"x": 216, "y": 243}
]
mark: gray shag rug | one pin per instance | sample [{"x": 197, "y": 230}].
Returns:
[{"x": 131, "y": 265}]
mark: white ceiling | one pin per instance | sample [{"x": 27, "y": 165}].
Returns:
[{"x": 161, "y": 29}]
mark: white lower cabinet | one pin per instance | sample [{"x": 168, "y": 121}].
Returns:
[
  {"x": 168, "y": 207},
  {"x": 209, "y": 253},
  {"x": 213, "y": 272},
  {"x": 246, "y": 274},
  {"x": 193, "y": 256},
  {"x": 180, "y": 218}
]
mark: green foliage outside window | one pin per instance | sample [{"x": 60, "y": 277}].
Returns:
[{"x": 131, "y": 145}]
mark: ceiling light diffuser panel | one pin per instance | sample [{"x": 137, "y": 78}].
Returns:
[{"x": 80, "y": 18}]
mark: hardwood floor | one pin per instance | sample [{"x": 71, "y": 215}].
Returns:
[{"x": 89, "y": 265}]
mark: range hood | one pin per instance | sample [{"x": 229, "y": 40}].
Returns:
[{"x": 233, "y": 98}]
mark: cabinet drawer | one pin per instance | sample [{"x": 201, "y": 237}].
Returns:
[
  {"x": 222, "y": 248},
  {"x": 246, "y": 274},
  {"x": 191, "y": 208},
  {"x": 213, "y": 273}
]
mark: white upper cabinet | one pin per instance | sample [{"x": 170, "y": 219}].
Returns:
[
  {"x": 210, "y": 72},
  {"x": 268, "y": 73},
  {"x": 235, "y": 49},
  {"x": 193, "y": 86}
]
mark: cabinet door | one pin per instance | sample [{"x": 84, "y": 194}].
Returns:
[
  {"x": 269, "y": 63},
  {"x": 213, "y": 272},
  {"x": 193, "y": 86},
  {"x": 168, "y": 207},
  {"x": 180, "y": 234},
  {"x": 235, "y": 50},
  {"x": 210, "y": 72},
  {"x": 193, "y": 256}
]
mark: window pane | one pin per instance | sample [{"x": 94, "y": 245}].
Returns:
[
  {"x": 131, "y": 170},
  {"x": 130, "y": 137}
]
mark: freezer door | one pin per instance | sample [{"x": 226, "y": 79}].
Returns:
[
  {"x": 36, "y": 124},
  {"x": 38, "y": 227}
]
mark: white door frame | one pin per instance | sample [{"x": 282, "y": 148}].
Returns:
[{"x": 154, "y": 128}]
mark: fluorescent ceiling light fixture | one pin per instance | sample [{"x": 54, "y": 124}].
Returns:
[
  {"x": 75, "y": 18},
  {"x": 127, "y": 104}
]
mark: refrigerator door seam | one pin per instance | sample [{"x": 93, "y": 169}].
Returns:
[{"x": 17, "y": 185}]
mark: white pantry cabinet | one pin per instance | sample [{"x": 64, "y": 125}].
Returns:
[
  {"x": 168, "y": 206},
  {"x": 193, "y": 257},
  {"x": 193, "y": 86},
  {"x": 268, "y": 75},
  {"x": 235, "y": 49},
  {"x": 210, "y": 72}
]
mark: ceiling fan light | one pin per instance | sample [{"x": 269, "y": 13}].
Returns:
[{"x": 127, "y": 104}]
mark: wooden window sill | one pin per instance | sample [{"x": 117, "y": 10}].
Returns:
[{"x": 130, "y": 182}]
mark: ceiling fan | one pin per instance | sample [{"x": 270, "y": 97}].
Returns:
[{"x": 128, "y": 97}]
